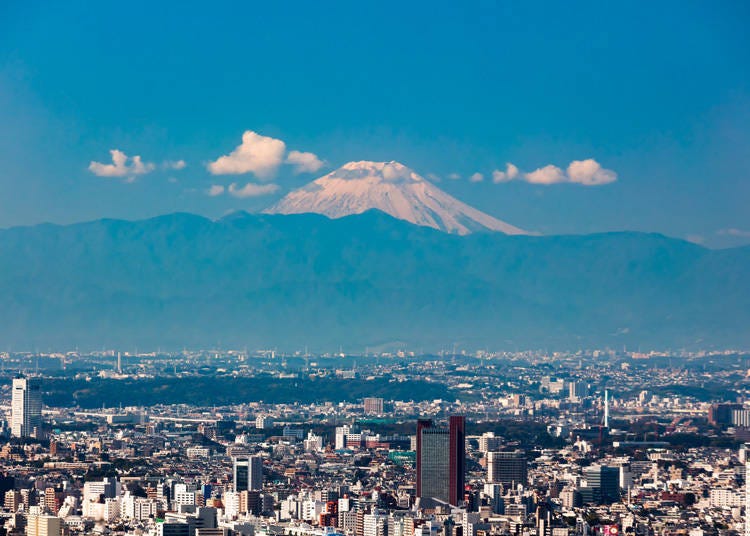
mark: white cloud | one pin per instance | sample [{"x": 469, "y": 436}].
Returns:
[
  {"x": 304, "y": 162},
  {"x": 175, "y": 164},
  {"x": 734, "y": 232},
  {"x": 251, "y": 189},
  {"x": 393, "y": 171},
  {"x": 216, "y": 189},
  {"x": 476, "y": 177},
  {"x": 510, "y": 173},
  {"x": 257, "y": 154},
  {"x": 696, "y": 239},
  {"x": 547, "y": 175},
  {"x": 590, "y": 173},
  {"x": 454, "y": 176},
  {"x": 584, "y": 172},
  {"x": 120, "y": 167}
]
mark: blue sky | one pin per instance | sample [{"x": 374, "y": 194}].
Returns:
[{"x": 658, "y": 93}]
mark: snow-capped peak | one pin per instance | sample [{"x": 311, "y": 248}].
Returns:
[{"x": 392, "y": 188}]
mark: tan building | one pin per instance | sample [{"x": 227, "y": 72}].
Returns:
[{"x": 44, "y": 526}]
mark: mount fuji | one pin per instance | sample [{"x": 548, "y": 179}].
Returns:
[{"x": 394, "y": 189}]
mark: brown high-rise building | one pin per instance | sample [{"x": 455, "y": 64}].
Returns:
[{"x": 373, "y": 406}]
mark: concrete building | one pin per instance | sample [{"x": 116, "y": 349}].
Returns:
[
  {"x": 441, "y": 460},
  {"x": 373, "y": 406},
  {"x": 248, "y": 473},
  {"x": 507, "y": 468},
  {"x": 43, "y": 526},
  {"x": 26, "y": 408}
]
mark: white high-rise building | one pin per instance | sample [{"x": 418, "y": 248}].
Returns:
[
  {"x": 375, "y": 524},
  {"x": 341, "y": 433},
  {"x": 26, "y": 408}
]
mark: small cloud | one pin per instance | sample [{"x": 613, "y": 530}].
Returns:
[
  {"x": 476, "y": 177},
  {"x": 251, "y": 189},
  {"x": 454, "y": 176},
  {"x": 257, "y": 154},
  {"x": 584, "y": 172},
  {"x": 215, "y": 190},
  {"x": 394, "y": 172},
  {"x": 432, "y": 177},
  {"x": 172, "y": 180},
  {"x": 304, "y": 162},
  {"x": 510, "y": 173},
  {"x": 590, "y": 173},
  {"x": 120, "y": 167},
  {"x": 696, "y": 239},
  {"x": 547, "y": 175},
  {"x": 734, "y": 232},
  {"x": 174, "y": 164}
]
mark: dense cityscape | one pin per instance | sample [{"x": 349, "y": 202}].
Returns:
[
  {"x": 475, "y": 268},
  {"x": 388, "y": 444}
]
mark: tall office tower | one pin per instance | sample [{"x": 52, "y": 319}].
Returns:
[
  {"x": 507, "y": 468},
  {"x": 26, "y": 408},
  {"x": 373, "y": 406},
  {"x": 248, "y": 473},
  {"x": 441, "y": 460},
  {"x": 604, "y": 483},
  {"x": 747, "y": 498},
  {"x": 43, "y": 526}
]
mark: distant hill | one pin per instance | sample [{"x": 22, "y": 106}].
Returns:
[{"x": 366, "y": 280}]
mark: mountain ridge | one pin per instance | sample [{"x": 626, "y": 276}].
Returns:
[
  {"x": 185, "y": 280},
  {"x": 241, "y": 214}
]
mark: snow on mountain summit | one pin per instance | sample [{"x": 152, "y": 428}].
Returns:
[{"x": 392, "y": 188}]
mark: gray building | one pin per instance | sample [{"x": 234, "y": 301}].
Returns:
[
  {"x": 602, "y": 485},
  {"x": 507, "y": 468},
  {"x": 248, "y": 473}
]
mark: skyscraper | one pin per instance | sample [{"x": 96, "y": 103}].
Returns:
[
  {"x": 457, "y": 430},
  {"x": 26, "y": 408},
  {"x": 248, "y": 473},
  {"x": 507, "y": 468},
  {"x": 441, "y": 460}
]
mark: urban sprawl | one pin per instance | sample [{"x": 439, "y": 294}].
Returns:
[{"x": 379, "y": 444}]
